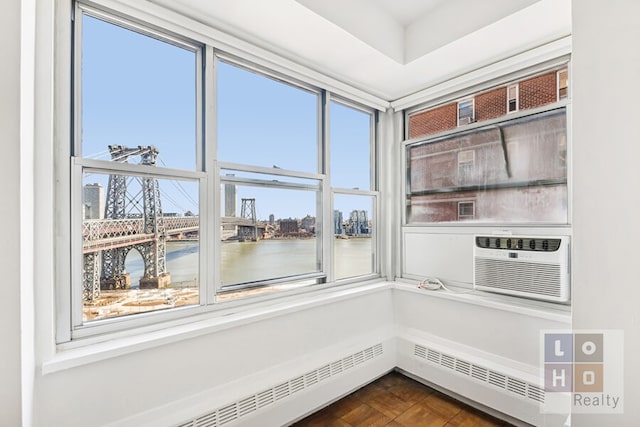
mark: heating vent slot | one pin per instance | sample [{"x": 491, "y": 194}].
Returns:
[
  {"x": 251, "y": 404},
  {"x": 210, "y": 420},
  {"x": 497, "y": 379},
  {"x": 463, "y": 367},
  {"x": 228, "y": 414},
  {"x": 324, "y": 373},
  {"x": 447, "y": 361},
  {"x": 347, "y": 362},
  {"x": 433, "y": 356},
  {"x": 247, "y": 406},
  {"x": 281, "y": 391},
  {"x": 265, "y": 398},
  {"x": 311, "y": 378},
  {"x": 535, "y": 393},
  {"x": 480, "y": 373},
  {"x": 420, "y": 351},
  {"x": 517, "y": 386},
  {"x": 297, "y": 384}
]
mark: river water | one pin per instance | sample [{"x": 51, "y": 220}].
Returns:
[{"x": 244, "y": 262}]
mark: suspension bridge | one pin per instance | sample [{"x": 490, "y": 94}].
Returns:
[{"x": 133, "y": 220}]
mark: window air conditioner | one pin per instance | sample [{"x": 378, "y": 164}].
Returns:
[
  {"x": 530, "y": 267},
  {"x": 464, "y": 120}
]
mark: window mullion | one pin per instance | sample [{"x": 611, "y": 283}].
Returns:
[
  {"x": 212, "y": 239},
  {"x": 325, "y": 247}
]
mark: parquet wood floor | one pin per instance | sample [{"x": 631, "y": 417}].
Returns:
[{"x": 396, "y": 400}]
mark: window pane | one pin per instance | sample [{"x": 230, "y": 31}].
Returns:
[
  {"x": 137, "y": 91},
  {"x": 268, "y": 232},
  {"x": 140, "y": 245},
  {"x": 512, "y": 172},
  {"x": 353, "y": 230},
  {"x": 350, "y": 136},
  {"x": 264, "y": 122}
]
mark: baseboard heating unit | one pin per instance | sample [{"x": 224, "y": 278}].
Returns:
[
  {"x": 234, "y": 412},
  {"x": 501, "y": 387}
]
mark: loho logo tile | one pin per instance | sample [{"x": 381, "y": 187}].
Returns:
[{"x": 585, "y": 367}]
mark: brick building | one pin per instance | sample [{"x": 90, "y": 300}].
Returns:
[
  {"x": 525, "y": 94},
  {"x": 288, "y": 226},
  {"x": 493, "y": 173}
]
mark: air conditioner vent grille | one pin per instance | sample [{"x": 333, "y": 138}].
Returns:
[
  {"x": 529, "y": 277},
  {"x": 251, "y": 404},
  {"x": 481, "y": 373},
  {"x": 541, "y": 274}
]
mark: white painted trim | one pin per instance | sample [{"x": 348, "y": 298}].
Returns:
[
  {"x": 179, "y": 331},
  {"x": 549, "y": 311},
  {"x": 291, "y": 408},
  {"x": 502, "y": 70}
]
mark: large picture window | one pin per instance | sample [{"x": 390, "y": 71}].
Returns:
[
  {"x": 198, "y": 178},
  {"x": 135, "y": 170},
  {"x": 354, "y": 204}
]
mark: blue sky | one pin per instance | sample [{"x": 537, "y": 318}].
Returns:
[{"x": 137, "y": 90}]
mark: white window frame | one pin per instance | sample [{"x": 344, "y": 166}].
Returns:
[
  {"x": 472, "y": 117},
  {"x": 372, "y": 192},
  {"x": 516, "y": 87},
  {"x": 322, "y": 275},
  {"x": 558, "y": 80},
  {"x": 473, "y": 208},
  {"x": 70, "y": 331}
]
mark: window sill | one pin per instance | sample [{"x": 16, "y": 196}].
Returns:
[
  {"x": 242, "y": 315},
  {"x": 526, "y": 307}
]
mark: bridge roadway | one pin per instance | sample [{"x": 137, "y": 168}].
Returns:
[{"x": 102, "y": 234}]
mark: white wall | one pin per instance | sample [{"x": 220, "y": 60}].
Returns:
[
  {"x": 606, "y": 149},
  {"x": 10, "y": 368},
  {"x": 234, "y": 360}
]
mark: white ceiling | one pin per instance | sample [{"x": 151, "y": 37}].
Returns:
[{"x": 389, "y": 48}]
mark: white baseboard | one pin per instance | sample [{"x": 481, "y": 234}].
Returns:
[
  {"x": 279, "y": 395},
  {"x": 503, "y": 388}
]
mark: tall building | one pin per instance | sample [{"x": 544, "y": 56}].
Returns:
[
  {"x": 358, "y": 222},
  {"x": 308, "y": 223},
  {"x": 288, "y": 226},
  {"x": 93, "y": 201},
  {"x": 338, "y": 227},
  {"x": 230, "y": 199}
]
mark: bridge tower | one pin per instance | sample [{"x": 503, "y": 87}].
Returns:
[
  {"x": 130, "y": 197},
  {"x": 248, "y": 211}
]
